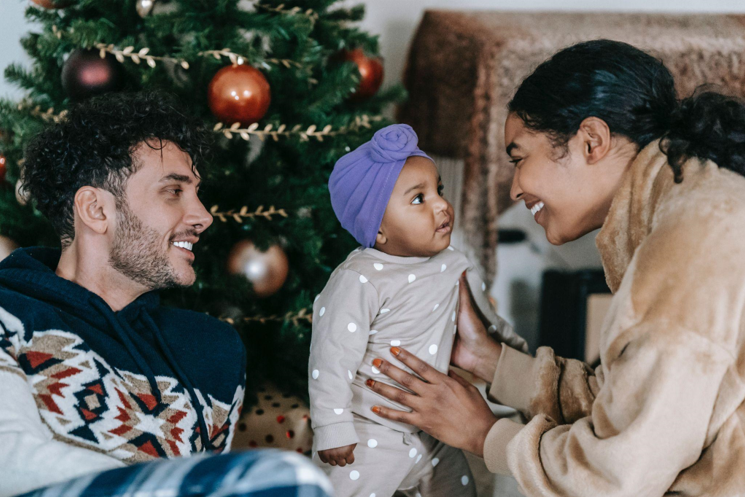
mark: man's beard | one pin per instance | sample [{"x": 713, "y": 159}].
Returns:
[{"x": 136, "y": 253}]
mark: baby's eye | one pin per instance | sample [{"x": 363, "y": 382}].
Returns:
[
  {"x": 440, "y": 189},
  {"x": 515, "y": 161},
  {"x": 418, "y": 199}
]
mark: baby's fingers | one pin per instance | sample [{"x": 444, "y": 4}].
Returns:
[{"x": 350, "y": 458}]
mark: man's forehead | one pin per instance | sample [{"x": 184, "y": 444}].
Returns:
[{"x": 169, "y": 161}]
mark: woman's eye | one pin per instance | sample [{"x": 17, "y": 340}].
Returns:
[{"x": 418, "y": 199}]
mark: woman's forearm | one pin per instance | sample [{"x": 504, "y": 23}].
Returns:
[{"x": 488, "y": 357}]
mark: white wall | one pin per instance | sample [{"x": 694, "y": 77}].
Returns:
[{"x": 520, "y": 266}]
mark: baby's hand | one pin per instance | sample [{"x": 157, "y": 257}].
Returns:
[{"x": 340, "y": 456}]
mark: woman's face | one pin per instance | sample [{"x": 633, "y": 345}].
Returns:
[{"x": 568, "y": 194}]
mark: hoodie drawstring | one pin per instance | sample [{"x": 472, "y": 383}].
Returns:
[
  {"x": 124, "y": 337},
  {"x": 183, "y": 377}
]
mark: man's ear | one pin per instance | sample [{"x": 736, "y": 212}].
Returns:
[
  {"x": 94, "y": 208},
  {"x": 596, "y": 139}
]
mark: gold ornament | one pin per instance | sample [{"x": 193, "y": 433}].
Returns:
[
  {"x": 144, "y": 7},
  {"x": 267, "y": 271}
]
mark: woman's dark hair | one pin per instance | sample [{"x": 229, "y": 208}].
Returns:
[
  {"x": 93, "y": 146},
  {"x": 634, "y": 93}
]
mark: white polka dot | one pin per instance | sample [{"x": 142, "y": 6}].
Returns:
[
  {"x": 443, "y": 268},
  {"x": 363, "y": 279},
  {"x": 315, "y": 374},
  {"x": 435, "y": 462},
  {"x": 412, "y": 453},
  {"x": 493, "y": 328},
  {"x": 317, "y": 297},
  {"x": 451, "y": 248},
  {"x": 464, "y": 480},
  {"x": 355, "y": 475},
  {"x": 322, "y": 311},
  {"x": 352, "y": 327},
  {"x": 433, "y": 349},
  {"x": 418, "y": 458},
  {"x": 375, "y": 370},
  {"x": 412, "y": 278},
  {"x": 372, "y": 332},
  {"x": 457, "y": 283},
  {"x": 483, "y": 287},
  {"x": 372, "y": 443},
  {"x": 349, "y": 373},
  {"x": 452, "y": 318},
  {"x": 338, "y": 411},
  {"x": 436, "y": 306},
  {"x": 378, "y": 266},
  {"x": 372, "y": 495},
  {"x": 383, "y": 311},
  {"x": 395, "y": 343}
]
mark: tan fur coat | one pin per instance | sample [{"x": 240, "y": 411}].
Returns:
[{"x": 663, "y": 414}]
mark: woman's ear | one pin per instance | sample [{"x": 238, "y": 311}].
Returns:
[
  {"x": 596, "y": 139},
  {"x": 93, "y": 209}
]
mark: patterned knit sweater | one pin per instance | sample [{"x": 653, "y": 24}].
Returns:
[{"x": 87, "y": 389}]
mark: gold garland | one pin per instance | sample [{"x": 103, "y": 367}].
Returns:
[
  {"x": 245, "y": 214},
  {"x": 280, "y": 9},
  {"x": 295, "y": 318},
  {"x": 47, "y": 115},
  {"x": 363, "y": 121}
]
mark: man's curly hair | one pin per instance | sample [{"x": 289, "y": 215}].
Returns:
[{"x": 93, "y": 146}]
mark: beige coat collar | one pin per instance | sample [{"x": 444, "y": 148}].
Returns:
[{"x": 629, "y": 220}]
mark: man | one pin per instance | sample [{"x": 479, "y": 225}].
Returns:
[{"x": 95, "y": 374}]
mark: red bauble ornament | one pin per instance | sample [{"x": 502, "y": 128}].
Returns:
[
  {"x": 86, "y": 74},
  {"x": 267, "y": 271},
  {"x": 3, "y": 168},
  {"x": 53, "y": 4},
  {"x": 371, "y": 73},
  {"x": 239, "y": 94}
]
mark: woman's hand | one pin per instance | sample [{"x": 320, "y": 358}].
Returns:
[
  {"x": 445, "y": 406},
  {"x": 474, "y": 350}
]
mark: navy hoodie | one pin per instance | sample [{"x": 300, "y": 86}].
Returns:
[{"x": 142, "y": 383}]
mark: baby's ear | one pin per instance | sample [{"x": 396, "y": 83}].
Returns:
[{"x": 381, "y": 239}]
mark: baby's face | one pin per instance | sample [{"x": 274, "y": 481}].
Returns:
[{"x": 418, "y": 220}]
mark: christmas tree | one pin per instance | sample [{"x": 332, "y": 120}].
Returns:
[{"x": 287, "y": 87}]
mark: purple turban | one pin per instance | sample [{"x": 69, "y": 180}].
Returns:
[{"x": 362, "y": 181}]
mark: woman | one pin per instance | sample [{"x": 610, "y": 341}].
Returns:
[{"x": 599, "y": 138}]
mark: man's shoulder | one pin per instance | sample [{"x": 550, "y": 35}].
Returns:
[{"x": 188, "y": 322}]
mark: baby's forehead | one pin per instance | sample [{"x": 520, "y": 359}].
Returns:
[{"x": 418, "y": 168}]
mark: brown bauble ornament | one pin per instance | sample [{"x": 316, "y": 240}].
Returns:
[
  {"x": 53, "y": 4},
  {"x": 267, "y": 271},
  {"x": 86, "y": 74},
  {"x": 371, "y": 72},
  {"x": 7, "y": 246},
  {"x": 239, "y": 94}
]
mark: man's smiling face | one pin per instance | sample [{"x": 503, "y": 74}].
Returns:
[{"x": 159, "y": 219}]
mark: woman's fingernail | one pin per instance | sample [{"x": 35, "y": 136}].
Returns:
[
  {"x": 370, "y": 383},
  {"x": 376, "y": 409},
  {"x": 377, "y": 363},
  {"x": 395, "y": 351}
]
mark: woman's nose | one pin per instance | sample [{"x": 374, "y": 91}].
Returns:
[{"x": 515, "y": 191}]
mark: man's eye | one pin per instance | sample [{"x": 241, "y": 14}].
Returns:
[
  {"x": 176, "y": 191},
  {"x": 418, "y": 199}
]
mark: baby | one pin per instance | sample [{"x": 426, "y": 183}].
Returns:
[{"x": 399, "y": 289}]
